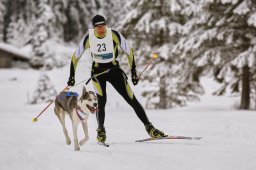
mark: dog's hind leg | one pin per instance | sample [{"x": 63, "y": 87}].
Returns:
[
  {"x": 61, "y": 115},
  {"x": 86, "y": 134}
]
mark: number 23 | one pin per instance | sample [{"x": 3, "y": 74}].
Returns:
[{"x": 101, "y": 47}]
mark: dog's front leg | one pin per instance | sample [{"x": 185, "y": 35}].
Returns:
[
  {"x": 86, "y": 134},
  {"x": 74, "y": 125}
]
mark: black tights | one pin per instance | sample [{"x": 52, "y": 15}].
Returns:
[{"x": 118, "y": 80}]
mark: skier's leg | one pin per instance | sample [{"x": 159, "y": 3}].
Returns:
[
  {"x": 119, "y": 81},
  {"x": 100, "y": 88}
]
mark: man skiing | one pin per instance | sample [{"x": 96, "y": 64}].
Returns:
[{"x": 103, "y": 44}]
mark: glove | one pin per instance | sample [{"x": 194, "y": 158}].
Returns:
[
  {"x": 135, "y": 78},
  {"x": 71, "y": 81}
]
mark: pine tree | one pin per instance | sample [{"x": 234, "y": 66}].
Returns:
[
  {"x": 3, "y": 11},
  {"x": 79, "y": 14},
  {"x": 41, "y": 36},
  {"x": 17, "y": 32},
  {"x": 220, "y": 40},
  {"x": 6, "y": 17},
  {"x": 111, "y": 9},
  {"x": 44, "y": 91},
  {"x": 155, "y": 26},
  {"x": 59, "y": 20},
  {"x": 72, "y": 27},
  {"x": 14, "y": 27}
]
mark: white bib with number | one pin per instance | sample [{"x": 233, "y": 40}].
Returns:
[{"x": 102, "y": 49}]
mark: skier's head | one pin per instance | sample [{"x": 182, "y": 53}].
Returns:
[
  {"x": 98, "y": 20},
  {"x": 99, "y": 24}
]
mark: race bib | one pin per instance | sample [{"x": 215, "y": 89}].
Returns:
[{"x": 102, "y": 49}]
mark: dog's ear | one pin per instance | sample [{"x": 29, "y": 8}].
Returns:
[
  {"x": 91, "y": 92},
  {"x": 84, "y": 90}
]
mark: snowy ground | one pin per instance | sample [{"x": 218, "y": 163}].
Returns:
[{"x": 229, "y": 136}]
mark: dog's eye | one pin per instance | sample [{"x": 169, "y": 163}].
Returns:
[{"x": 90, "y": 99}]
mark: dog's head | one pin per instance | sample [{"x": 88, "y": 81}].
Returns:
[{"x": 89, "y": 100}]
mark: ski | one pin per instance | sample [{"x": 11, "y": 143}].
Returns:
[
  {"x": 103, "y": 144},
  {"x": 169, "y": 137}
]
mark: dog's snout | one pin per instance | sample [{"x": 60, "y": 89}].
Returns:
[{"x": 94, "y": 104}]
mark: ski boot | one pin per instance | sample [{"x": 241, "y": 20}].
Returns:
[
  {"x": 153, "y": 132},
  {"x": 101, "y": 137}
]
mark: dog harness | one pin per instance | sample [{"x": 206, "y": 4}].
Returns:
[
  {"x": 80, "y": 113},
  {"x": 70, "y": 94}
]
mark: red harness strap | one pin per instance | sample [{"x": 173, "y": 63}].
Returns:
[{"x": 81, "y": 111}]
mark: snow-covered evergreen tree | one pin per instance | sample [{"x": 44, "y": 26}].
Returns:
[
  {"x": 73, "y": 27},
  {"x": 3, "y": 11},
  {"x": 59, "y": 20},
  {"x": 220, "y": 39},
  {"x": 80, "y": 12},
  {"x": 6, "y": 11},
  {"x": 18, "y": 32},
  {"x": 112, "y": 10},
  {"x": 41, "y": 35},
  {"x": 44, "y": 91},
  {"x": 14, "y": 26},
  {"x": 155, "y": 26}
]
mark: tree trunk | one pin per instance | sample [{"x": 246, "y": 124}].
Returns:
[
  {"x": 245, "y": 98},
  {"x": 162, "y": 95}
]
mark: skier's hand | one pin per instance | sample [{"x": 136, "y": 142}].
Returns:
[
  {"x": 71, "y": 81},
  {"x": 135, "y": 78}
]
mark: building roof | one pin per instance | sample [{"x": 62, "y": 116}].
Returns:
[{"x": 16, "y": 52}]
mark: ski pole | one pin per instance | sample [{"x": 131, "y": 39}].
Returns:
[
  {"x": 103, "y": 72},
  {"x": 36, "y": 118},
  {"x": 87, "y": 81},
  {"x": 155, "y": 55},
  {"x": 96, "y": 75}
]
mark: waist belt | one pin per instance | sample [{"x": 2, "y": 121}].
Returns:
[
  {"x": 104, "y": 65},
  {"x": 107, "y": 70}
]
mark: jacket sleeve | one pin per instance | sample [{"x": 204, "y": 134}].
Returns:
[
  {"x": 83, "y": 45},
  {"x": 127, "y": 49}
]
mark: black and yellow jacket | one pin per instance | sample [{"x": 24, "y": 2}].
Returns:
[{"x": 118, "y": 40}]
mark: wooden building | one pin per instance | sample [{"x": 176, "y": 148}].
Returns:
[{"x": 10, "y": 54}]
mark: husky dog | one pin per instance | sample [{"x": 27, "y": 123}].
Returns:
[{"x": 78, "y": 108}]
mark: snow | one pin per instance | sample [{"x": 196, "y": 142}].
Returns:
[
  {"x": 15, "y": 50},
  {"x": 251, "y": 59},
  {"x": 252, "y": 20},
  {"x": 174, "y": 6},
  {"x": 229, "y": 138},
  {"x": 144, "y": 23},
  {"x": 229, "y": 1},
  {"x": 201, "y": 61},
  {"x": 242, "y": 9},
  {"x": 175, "y": 28},
  {"x": 245, "y": 58},
  {"x": 160, "y": 24}
]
